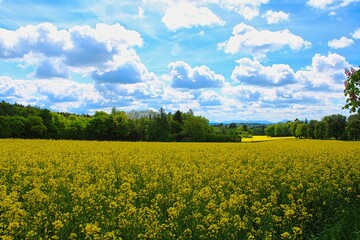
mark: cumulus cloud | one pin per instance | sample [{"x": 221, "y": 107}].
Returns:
[
  {"x": 275, "y": 17},
  {"x": 209, "y": 98},
  {"x": 249, "y": 9},
  {"x": 356, "y": 34},
  {"x": 46, "y": 93},
  {"x": 252, "y": 72},
  {"x": 81, "y": 49},
  {"x": 258, "y": 42},
  {"x": 125, "y": 71},
  {"x": 44, "y": 39},
  {"x": 324, "y": 74},
  {"x": 343, "y": 42},
  {"x": 186, "y": 15},
  {"x": 51, "y": 68},
  {"x": 183, "y": 75}
]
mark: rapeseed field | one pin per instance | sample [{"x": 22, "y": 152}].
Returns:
[{"x": 285, "y": 189}]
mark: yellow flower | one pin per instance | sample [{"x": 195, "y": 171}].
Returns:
[
  {"x": 91, "y": 229},
  {"x": 58, "y": 225},
  {"x": 285, "y": 235},
  {"x": 297, "y": 230}
]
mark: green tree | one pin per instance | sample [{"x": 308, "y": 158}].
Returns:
[
  {"x": 336, "y": 124},
  {"x": 99, "y": 126},
  {"x": 158, "y": 128},
  {"x": 36, "y": 127},
  {"x": 320, "y": 130},
  {"x": 353, "y": 127},
  {"x": 301, "y": 130},
  {"x": 282, "y": 130},
  {"x": 270, "y": 130},
  {"x": 76, "y": 127},
  {"x": 310, "y": 129},
  {"x": 119, "y": 125},
  {"x": 195, "y": 129},
  {"x": 47, "y": 117},
  {"x": 352, "y": 90}
]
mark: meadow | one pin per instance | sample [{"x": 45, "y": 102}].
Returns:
[{"x": 285, "y": 189}]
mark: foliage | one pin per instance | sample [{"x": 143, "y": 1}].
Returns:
[
  {"x": 352, "y": 90},
  {"x": 17, "y": 121},
  {"x": 122, "y": 190},
  {"x": 335, "y": 126}
]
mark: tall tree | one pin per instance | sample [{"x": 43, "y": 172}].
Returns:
[
  {"x": 36, "y": 127},
  {"x": 195, "y": 129},
  {"x": 158, "y": 128},
  {"x": 270, "y": 130},
  {"x": 320, "y": 130},
  {"x": 301, "y": 130},
  {"x": 336, "y": 124},
  {"x": 310, "y": 129},
  {"x": 98, "y": 127},
  {"x": 353, "y": 127}
]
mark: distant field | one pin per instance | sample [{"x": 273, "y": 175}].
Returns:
[
  {"x": 264, "y": 138},
  {"x": 285, "y": 189}
]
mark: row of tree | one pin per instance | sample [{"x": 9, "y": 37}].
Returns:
[
  {"x": 334, "y": 126},
  {"x": 18, "y": 121}
]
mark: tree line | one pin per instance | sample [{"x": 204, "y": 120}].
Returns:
[
  {"x": 18, "y": 121},
  {"x": 335, "y": 126}
]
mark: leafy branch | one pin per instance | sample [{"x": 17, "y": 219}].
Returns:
[{"x": 352, "y": 89}]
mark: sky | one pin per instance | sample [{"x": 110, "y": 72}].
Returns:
[{"x": 224, "y": 59}]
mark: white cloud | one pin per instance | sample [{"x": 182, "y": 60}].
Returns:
[
  {"x": 186, "y": 15},
  {"x": 183, "y": 75},
  {"x": 275, "y": 17},
  {"x": 258, "y": 42},
  {"x": 209, "y": 98},
  {"x": 44, "y": 39},
  {"x": 329, "y": 4},
  {"x": 249, "y": 9},
  {"x": 356, "y": 34},
  {"x": 322, "y": 4},
  {"x": 343, "y": 42},
  {"x": 253, "y": 73},
  {"x": 105, "y": 51},
  {"x": 324, "y": 74},
  {"x": 51, "y": 68},
  {"x": 46, "y": 93}
]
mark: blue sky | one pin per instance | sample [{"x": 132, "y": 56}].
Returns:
[{"x": 224, "y": 59}]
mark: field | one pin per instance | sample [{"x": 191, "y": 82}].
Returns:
[
  {"x": 264, "y": 138},
  {"x": 285, "y": 189}
]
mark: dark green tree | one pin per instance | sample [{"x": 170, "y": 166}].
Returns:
[
  {"x": 195, "y": 129},
  {"x": 336, "y": 124},
  {"x": 76, "y": 127},
  {"x": 353, "y": 127},
  {"x": 36, "y": 127},
  {"x": 320, "y": 130},
  {"x": 310, "y": 129},
  {"x": 270, "y": 130},
  {"x": 158, "y": 128},
  {"x": 99, "y": 126},
  {"x": 119, "y": 128}
]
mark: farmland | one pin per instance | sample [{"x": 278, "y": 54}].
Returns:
[{"x": 284, "y": 189}]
